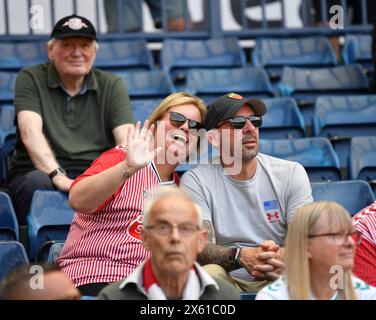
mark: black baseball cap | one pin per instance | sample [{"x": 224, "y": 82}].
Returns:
[
  {"x": 226, "y": 106},
  {"x": 74, "y": 26}
]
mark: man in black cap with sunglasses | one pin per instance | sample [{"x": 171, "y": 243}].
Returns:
[
  {"x": 68, "y": 113},
  {"x": 247, "y": 198}
]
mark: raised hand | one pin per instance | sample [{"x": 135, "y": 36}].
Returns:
[{"x": 140, "y": 151}]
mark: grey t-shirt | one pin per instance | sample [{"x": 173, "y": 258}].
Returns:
[{"x": 246, "y": 213}]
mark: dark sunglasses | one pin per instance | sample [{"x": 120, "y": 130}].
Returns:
[
  {"x": 238, "y": 122},
  {"x": 177, "y": 120}
]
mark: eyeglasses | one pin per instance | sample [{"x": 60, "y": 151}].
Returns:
[
  {"x": 340, "y": 238},
  {"x": 164, "y": 229},
  {"x": 238, "y": 122},
  {"x": 177, "y": 120}
]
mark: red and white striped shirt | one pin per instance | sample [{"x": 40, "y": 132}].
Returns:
[
  {"x": 105, "y": 245},
  {"x": 365, "y": 255},
  {"x": 365, "y": 222}
]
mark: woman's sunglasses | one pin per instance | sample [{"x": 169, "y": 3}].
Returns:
[
  {"x": 177, "y": 120},
  {"x": 238, "y": 122}
]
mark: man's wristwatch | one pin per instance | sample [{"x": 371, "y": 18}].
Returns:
[
  {"x": 234, "y": 257},
  {"x": 57, "y": 172}
]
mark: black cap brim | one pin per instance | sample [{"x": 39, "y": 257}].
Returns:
[
  {"x": 69, "y": 35},
  {"x": 232, "y": 107}
]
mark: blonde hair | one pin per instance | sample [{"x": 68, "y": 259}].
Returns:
[
  {"x": 177, "y": 99},
  {"x": 296, "y": 251}
]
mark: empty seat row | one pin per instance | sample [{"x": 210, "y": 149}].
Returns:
[
  {"x": 177, "y": 55},
  {"x": 303, "y": 84},
  {"x": 207, "y": 84},
  {"x": 310, "y": 52}
]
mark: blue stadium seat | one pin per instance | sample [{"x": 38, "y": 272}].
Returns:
[
  {"x": 49, "y": 219},
  {"x": 121, "y": 54},
  {"x": 7, "y": 86},
  {"x": 142, "y": 109},
  {"x": 8, "y": 219},
  {"x": 144, "y": 85},
  {"x": 340, "y": 118},
  {"x": 353, "y": 195},
  {"x": 209, "y": 84},
  {"x": 50, "y": 251},
  {"x": 7, "y": 137},
  {"x": 362, "y": 160},
  {"x": 179, "y": 55},
  {"x": 16, "y": 55},
  {"x": 248, "y": 295},
  {"x": 283, "y": 120},
  {"x": 274, "y": 54},
  {"x": 12, "y": 255},
  {"x": 316, "y": 155},
  {"x": 358, "y": 49},
  {"x": 305, "y": 84}
]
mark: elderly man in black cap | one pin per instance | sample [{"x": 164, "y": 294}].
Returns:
[
  {"x": 68, "y": 113},
  {"x": 247, "y": 198}
]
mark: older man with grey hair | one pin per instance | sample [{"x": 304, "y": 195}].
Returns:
[
  {"x": 174, "y": 234},
  {"x": 68, "y": 113}
]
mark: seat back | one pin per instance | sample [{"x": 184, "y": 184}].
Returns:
[
  {"x": 209, "y": 83},
  {"x": 49, "y": 219},
  {"x": 340, "y": 118},
  {"x": 8, "y": 219},
  {"x": 50, "y": 251},
  {"x": 12, "y": 255},
  {"x": 179, "y": 55},
  {"x": 316, "y": 155},
  {"x": 16, "y": 55},
  {"x": 7, "y": 137},
  {"x": 283, "y": 120},
  {"x": 362, "y": 160},
  {"x": 248, "y": 295},
  {"x": 353, "y": 195},
  {"x": 7, "y": 86},
  {"x": 275, "y": 53},
  {"x": 142, "y": 109},
  {"x": 143, "y": 85},
  {"x": 358, "y": 49},
  {"x": 129, "y": 54},
  {"x": 306, "y": 84}
]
